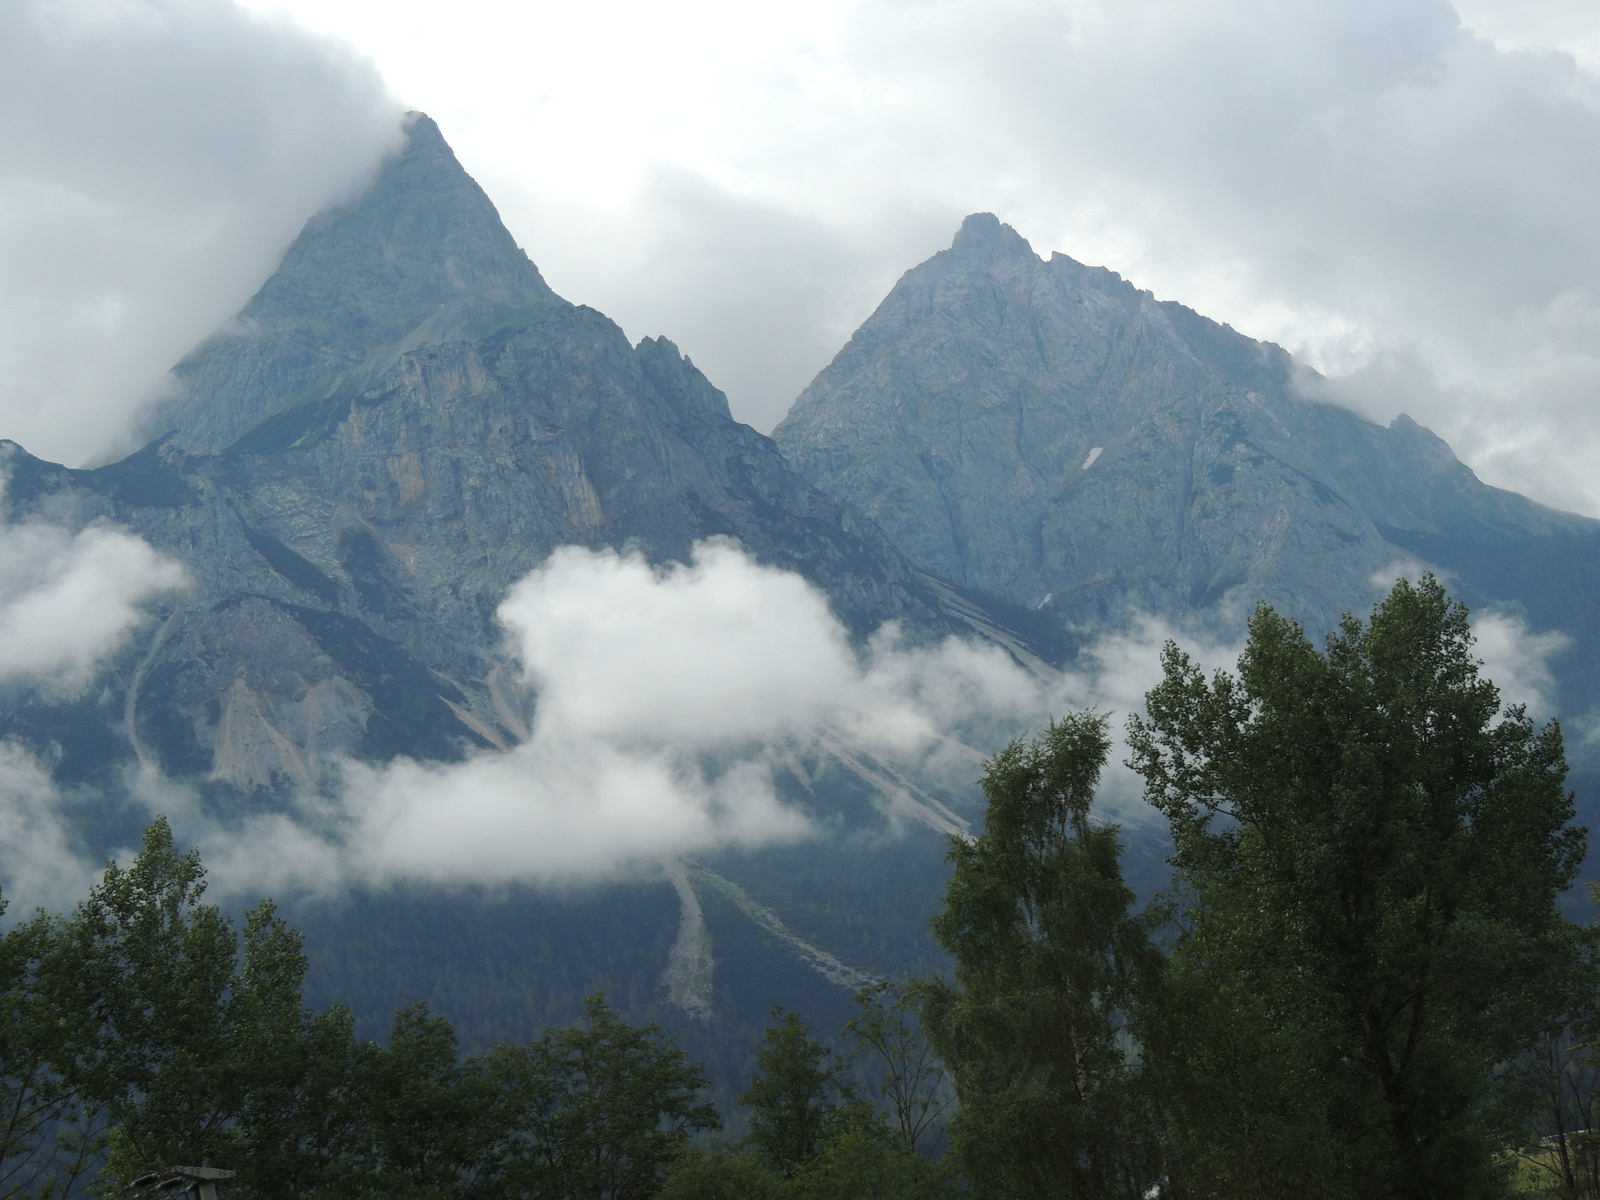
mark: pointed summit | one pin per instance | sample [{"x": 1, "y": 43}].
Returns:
[
  {"x": 983, "y": 236},
  {"x": 1051, "y": 434},
  {"x": 420, "y": 257}
]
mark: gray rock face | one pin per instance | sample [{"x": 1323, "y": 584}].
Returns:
[
  {"x": 401, "y": 424},
  {"x": 1047, "y": 432},
  {"x": 421, "y": 259}
]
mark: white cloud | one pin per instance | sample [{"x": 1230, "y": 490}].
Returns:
[
  {"x": 41, "y": 859},
  {"x": 708, "y": 654},
  {"x": 1518, "y": 660},
  {"x": 156, "y": 157},
  {"x": 661, "y": 695},
  {"x": 69, "y": 600},
  {"x": 666, "y": 698}
]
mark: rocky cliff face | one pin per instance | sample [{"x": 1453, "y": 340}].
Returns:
[
  {"x": 420, "y": 259},
  {"x": 1047, "y": 432},
  {"x": 403, "y": 422}
]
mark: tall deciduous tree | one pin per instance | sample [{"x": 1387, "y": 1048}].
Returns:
[
  {"x": 154, "y": 974},
  {"x": 797, "y": 1096},
  {"x": 913, "y": 1081},
  {"x": 51, "y": 1137},
  {"x": 591, "y": 1113},
  {"x": 1374, "y": 852},
  {"x": 1049, "y": 962}
]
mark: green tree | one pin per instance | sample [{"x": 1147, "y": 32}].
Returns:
[
  {"x": 51, "y": 1138},
  {"x": 430, "y": 1120},
  {"x": 913, "y": 1082},
  {"x": 1049, "y": 965},
  {"x": 864, "y": 1157},
  {"x": 1563, "y": 1152},
  {"x": 811, "y": 1138},
  {"x": 197, "y": 1050},
  {"x": 724, "y": 1173},
  {"x": 306, "y": 1129},
  {"x": 797, "y": 1095},
  {"x": 1374, "y": 852},
  {"x": 592, "y": 1113},
  {"x": 154, "y": 971}
]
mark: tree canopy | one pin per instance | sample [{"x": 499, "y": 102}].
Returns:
[
  {"x": 1370, "y": 852},
  {"x": 1050, "y": 962},
  {"x": 1361, "y": 986}
]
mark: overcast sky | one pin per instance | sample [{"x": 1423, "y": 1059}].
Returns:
[{"x": 1402, "y": 192}]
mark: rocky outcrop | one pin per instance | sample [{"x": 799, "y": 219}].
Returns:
[{"x": 1048, "y": 432}]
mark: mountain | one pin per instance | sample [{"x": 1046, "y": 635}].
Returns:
[
  {"x": 403, "y": 422},
  {"x": 420, "y": 259},
  {"x": 1049, "y": 433}
]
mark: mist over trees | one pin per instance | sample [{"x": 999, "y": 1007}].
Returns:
[{"x": 1360, "y": 985}]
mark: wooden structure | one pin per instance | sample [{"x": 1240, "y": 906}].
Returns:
[{"x": 180, "y": 1183}]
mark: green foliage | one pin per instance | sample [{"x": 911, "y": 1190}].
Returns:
[
  {"x": 913, "y": 1081},
  {"x": 860, "y": 1158},
  {"x": 797, "y": 1095},
  {"x": 864, "y": 1157},
  {"x": 1049, "y": 965},
  {"x": 143, "y": 1033},
  {"x": 153, "y": 977},
  {"x": 51, "y": 1137},
  {"x": 428, "y": 1118},
  {"x": 592, "y": 1114},
  {"x": 721, "y": 1174},
  {"x": 306, "y": 1123},
  {"x": 1373, "y": 854}
]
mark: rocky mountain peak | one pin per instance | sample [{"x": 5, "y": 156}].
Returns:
[
  {"x": 1049, "y": 433},
  {"x": 423, "y": 234},
  {"x": 402, "y": 423},
  {"x": 983, "y": 236},
  {"x": 419, "y": 258},
  {"x": 1428, "y": 447}
]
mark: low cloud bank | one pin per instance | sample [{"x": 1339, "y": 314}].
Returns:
[
  {"x": 664, "y": 697},
  {"x": 667, "y": 699},
  {"x": 69, "y": 600}
]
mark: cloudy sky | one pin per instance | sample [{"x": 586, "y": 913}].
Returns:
[{"x": 1403, "y": 192}]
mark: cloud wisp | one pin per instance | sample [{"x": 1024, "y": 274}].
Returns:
[
  {"x": 667, "y": 699},
  {"x": 69, "y": 601},
  {"x": 158, "y": 157}
]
